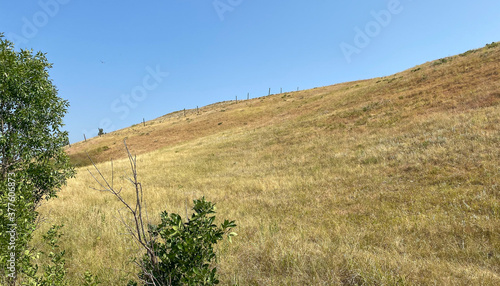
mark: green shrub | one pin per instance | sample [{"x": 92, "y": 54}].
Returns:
[
  {"x": 176, "y": 253},
  {"x": 90, "y": 280},
  {"x": 184, "y": 251},
  {"x": 440, "y": 61},
  {"x": 54, "y": 272},
  {"x": 492, "y": 45}
]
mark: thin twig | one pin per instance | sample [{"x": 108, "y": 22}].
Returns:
[{"x": 138, "y": 231}]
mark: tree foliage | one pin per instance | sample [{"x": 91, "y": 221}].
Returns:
[
  {"x": 184, "y": 251},
  {"x": 54, "y": 272},
  {"x": 31, "y": 118},
  {"x": 33, "y": 164}
]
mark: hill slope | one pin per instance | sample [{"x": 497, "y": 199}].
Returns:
[
  {"x": 386, "y": 181},
  {"x": 455, "y": 84}
]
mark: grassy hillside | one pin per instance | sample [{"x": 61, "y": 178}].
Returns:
[{"x": 386, "y": 181}]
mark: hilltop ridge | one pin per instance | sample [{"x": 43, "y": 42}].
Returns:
[{"x": 466, "y": 81}]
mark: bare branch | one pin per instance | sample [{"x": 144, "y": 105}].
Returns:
[{"x": 137, "y": 231}]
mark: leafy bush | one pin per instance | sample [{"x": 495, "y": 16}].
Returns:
[
  {"x": 90, "y": 280},
  {"x": 54, "y": 272},
  {"x": 492, "y": 45},
  {"x": 440, "y": 61},
  {"x": 176, "y": 253},
  {"x": 184, "y": 251}
]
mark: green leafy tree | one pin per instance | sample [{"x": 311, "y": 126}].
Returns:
[{"x": 33, "y": 164}]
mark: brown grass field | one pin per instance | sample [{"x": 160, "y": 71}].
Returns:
[{"x": 387, "y": 181}]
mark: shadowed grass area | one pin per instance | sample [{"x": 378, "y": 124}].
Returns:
[{"x": 390, "y": 181}]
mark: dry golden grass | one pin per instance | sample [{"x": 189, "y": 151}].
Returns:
[{"x": 389, "y": 181}]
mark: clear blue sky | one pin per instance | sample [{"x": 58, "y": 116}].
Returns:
[{"x": 120, "y": 61}]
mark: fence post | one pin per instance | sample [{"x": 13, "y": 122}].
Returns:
[
  {"x": 269, "y": 91},
  {"x": 248, "y": 96},
  {"x": 143, "y": 122},
  {"x": 197, "y": 110},
  {"x": 84, "y": 137},
  {"x": 184, "y": 112}
]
